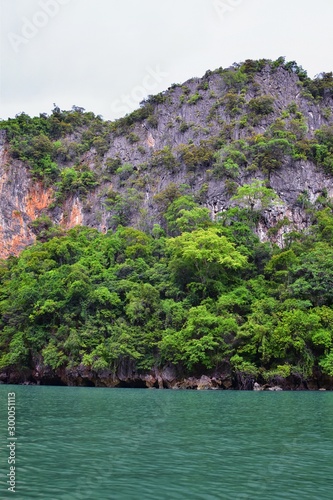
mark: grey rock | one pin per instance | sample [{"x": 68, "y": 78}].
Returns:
[{"x": 22, "y": 199}]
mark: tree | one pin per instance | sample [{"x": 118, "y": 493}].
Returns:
[
  {"x": 228, "y": 161},
  {"x": 327, "y": 364},
  {"x": 142, "y": 304},
  {"x": 313, "y": 277},
  {"x": 204, "y": 256},
  {"x": 269, "y": 154},
  {"x": 201, "y": 342},
  {"x": 262, "y": 105},
  {"x": 185, "y": 215},
  {"x": 255, "y": 196}
]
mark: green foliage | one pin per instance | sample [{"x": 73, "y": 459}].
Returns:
[
  {"x": 200, "y": 342},
  {"x": 164, "y": 158},
  {"x": 125, "y": 171},
  {"x": 52, "y": 356},
  {"x": 235, "y": 78},
  {"x": 327, "y": 364},
  {"x": 101, "y": 144},
  {"x": 183, "y": 215},
  {"x": 321, "y": 86},
  {"x": 112, "y": 164},
  {"x": 314, "y": 275},
  {"x": 268, "y": 155},
  {"x": 228, "y": 162},
  {"x": 244, "y": 367},
  {"x": 261, "y": 106},
  {"x": 152, "y": 121},
  {"x": 45, "y": 169},
  {"x": 194, "y": 98},
  {"x": 123, "y": 206},
  {"x": 195, "y": 156},
  {"x": 36, "y": 141},
  {"x": 233, "y": 103},
  {"x": 76, "y": 181},
  {"x": 204, "y": 259},
  {"x": 293, "y": 67},
  {"x": 203, "y": 86},
  {"x": 322, "y": 152},
  {"x": 209, "y": 295},
  {"x": 188, "y": 290},
  {"x": 155, "y": 99},
  {"x": 132, "y": 137},
  {"x": 44, "y": 229},
  {"x": 123, "y": 125},
  {"x": 183, "y": 127},
  {"x": 167, "y": 196},
  {"x": 251, "y": 67},
  {"x": 255, "y": 196}
]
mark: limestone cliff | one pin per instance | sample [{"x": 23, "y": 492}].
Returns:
[{"x": 153, "y": 148}]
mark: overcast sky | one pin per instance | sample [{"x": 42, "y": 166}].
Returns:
[{"x": 107, "y": 55}]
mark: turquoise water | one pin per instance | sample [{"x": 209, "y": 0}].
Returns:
[{"x": 136, "y": 444}]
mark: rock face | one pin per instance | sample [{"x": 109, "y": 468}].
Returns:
[
  {"x": 178, "y": 120},
  {"x": 22, "y": 201},
  {"x": 167, "y": 378}
]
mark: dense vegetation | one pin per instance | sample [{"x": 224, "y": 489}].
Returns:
[
  {"x": 188, "y": 291},
  {"x": 209, "y": 294}
]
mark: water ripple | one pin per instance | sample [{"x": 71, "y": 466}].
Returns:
[{"x": 123, "y": 444}]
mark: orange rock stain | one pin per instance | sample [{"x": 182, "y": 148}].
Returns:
[{"x": 37, "y": 199}]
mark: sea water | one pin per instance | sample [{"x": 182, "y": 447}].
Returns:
[{"x": 136, "y": 444}]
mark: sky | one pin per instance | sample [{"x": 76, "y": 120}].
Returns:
[{"x": 108, "y": 55}]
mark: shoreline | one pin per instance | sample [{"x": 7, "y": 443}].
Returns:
[{"x": 165, "y": 379}]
